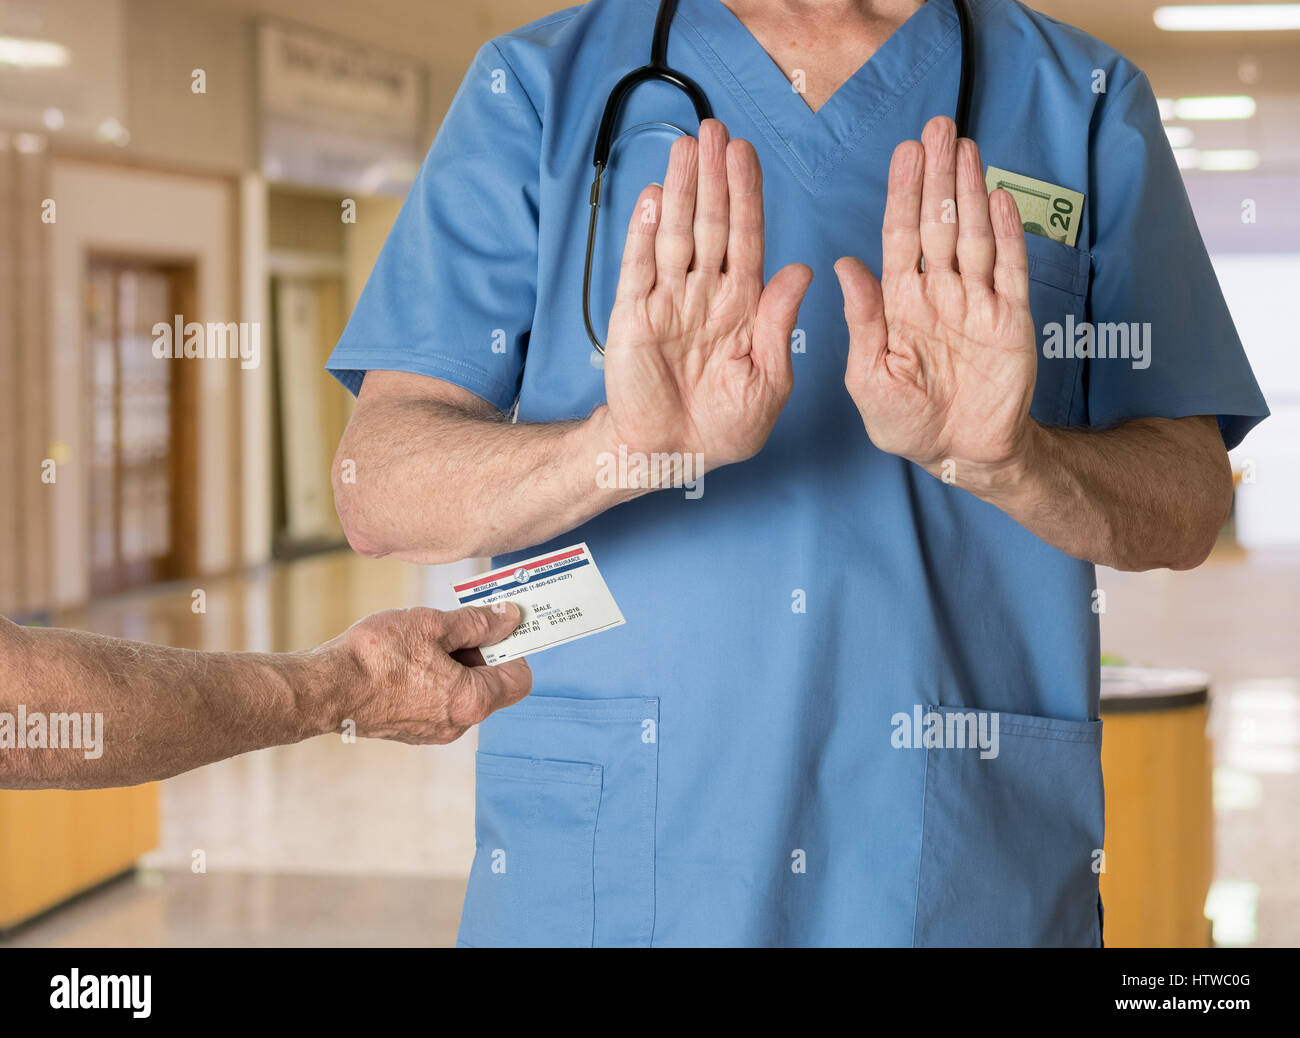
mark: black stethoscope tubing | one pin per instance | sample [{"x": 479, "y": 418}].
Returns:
[{"x": 659, "y": 69}]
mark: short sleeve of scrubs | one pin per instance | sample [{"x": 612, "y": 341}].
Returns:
[
  {"x": 453, "y": 293},
  {"x": 1151, "y": 267}
]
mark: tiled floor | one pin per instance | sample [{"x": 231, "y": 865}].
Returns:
[
  {"x": 326, "y": 843},
  {"x": 173, "y": 909}
]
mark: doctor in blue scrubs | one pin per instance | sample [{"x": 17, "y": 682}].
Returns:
[{"x": 855, "y": 701}]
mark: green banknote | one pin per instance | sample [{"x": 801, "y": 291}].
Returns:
[{"x": 1045, "y": 209}]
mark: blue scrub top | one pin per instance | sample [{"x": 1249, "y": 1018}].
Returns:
[{"x": 741, "y": 763}]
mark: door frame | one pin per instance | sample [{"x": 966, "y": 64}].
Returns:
[{"x": 181, "y": 561}]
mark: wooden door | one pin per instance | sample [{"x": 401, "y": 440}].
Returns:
[{"x": 140, "y": 434}]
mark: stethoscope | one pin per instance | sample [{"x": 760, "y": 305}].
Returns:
[{"x": 660, "y": 69}]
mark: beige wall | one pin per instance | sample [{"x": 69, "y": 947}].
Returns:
[
  {"x": 255, "y": 398},
  {"x": 169, "y": 124},
  {"x": 24, "y": 362},
  {"x": 302, "y": 222},
  {"x": 361, "y": 244},
  {"x": 216, "y": 131},
  {"x": 89, "y": 89},
  {"x": 364, "y": 239},
  {"x": 133, "y": 61}
]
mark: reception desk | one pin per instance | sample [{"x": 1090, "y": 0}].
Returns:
[
  {"x": 1156, "y": 759},
  {"x": 56, "y": 843}
]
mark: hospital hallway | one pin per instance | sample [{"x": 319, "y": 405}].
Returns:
[
  {"x": 330, "y": 844},
  {"x": 217, "y": 217}
]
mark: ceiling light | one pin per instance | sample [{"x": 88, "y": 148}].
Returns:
[
  {"x": 1239, "y": 107},
  {"x": 1179, "y": 136},
  {"x": 1228, "y": 160},
  {"x": 1228, "y": 17},
  {"x": 110, "y": 131},
  {"x": 32, "y": 53}
]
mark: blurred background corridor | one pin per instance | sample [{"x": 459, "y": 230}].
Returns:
[{"x": 240, "y": 162}]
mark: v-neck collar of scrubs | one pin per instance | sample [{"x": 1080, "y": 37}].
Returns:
[{"x": 815, "y": 143}]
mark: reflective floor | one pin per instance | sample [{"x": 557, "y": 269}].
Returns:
[
  {"x": 174, "y": 909},
  {"x": 326, "y": 843}
]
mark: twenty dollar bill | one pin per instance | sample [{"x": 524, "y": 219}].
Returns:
[{"x": 1045, "y": 209}]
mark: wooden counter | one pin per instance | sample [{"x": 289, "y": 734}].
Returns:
[
  {"x": 56, "y": 843},
  {"x": 1156, "y": 759}
]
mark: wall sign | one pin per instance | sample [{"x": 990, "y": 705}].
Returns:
[{"x": 335, "y": 113}]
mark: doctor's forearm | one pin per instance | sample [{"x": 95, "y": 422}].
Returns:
[
  {"x": 428, "y": 481},
  {"x": 1147, "y": 494}
]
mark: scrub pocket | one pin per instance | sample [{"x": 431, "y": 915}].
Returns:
[
  {"x": 1009, "y": 843},
  {"x": 564, "y": 825},
  {"x": 1058, "y": 289},
  {"x": 521, "y": 804}
]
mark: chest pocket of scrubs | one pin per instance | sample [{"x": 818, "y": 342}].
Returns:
[
  {"x": 564, "y": 825},
  {"x": 1009, "y": 842},
  {"x": 1058, "y": 288}
]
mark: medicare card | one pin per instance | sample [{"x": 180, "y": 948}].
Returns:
[{"x": 562, "y": 596}]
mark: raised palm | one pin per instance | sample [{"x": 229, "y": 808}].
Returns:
[
  {"x": 698, "y": 355},
  {"x": 942, "y": 360}
]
